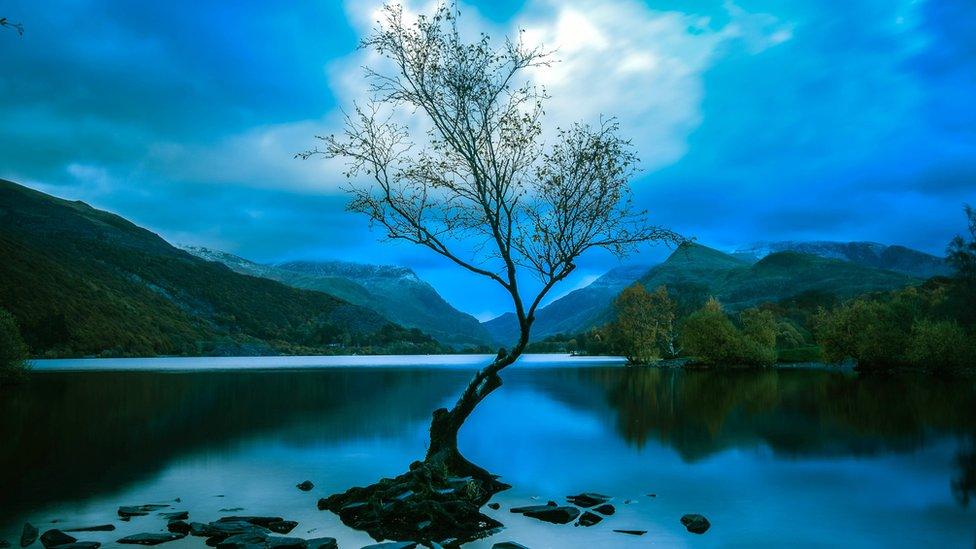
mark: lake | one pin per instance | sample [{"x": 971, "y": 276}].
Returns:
[{"x": 798, "y": 457}]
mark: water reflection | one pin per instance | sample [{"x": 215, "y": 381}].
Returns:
[{"x": 90, "y": 436}]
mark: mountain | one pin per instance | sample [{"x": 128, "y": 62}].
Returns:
[
  {"x": 395, "y": 292},
  {"x": 81, "y": 281},
  {"x": 583, "y": 307},
  {"x": 870, "y": 254},
  {"x": 696, "y": 272}
]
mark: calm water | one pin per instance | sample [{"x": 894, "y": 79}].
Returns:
[{"x": 788, "y": 457}]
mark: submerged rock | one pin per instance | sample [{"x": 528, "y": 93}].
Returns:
[
  {"x": 56, "y": 537},
  {"x": 632, "y": 532},
  {"x": 129, "y": 511},
  {"x": 392, "y": 545},
  {"x": 28, "y": 535},
  {"x": 528, "y": 508},
  {"x": 555, "y": 515},
  {"x": 508, "y": 545},
  {"x": 178, "y": 527},
  {"x": 148, "y": 538},
  {"x": 98, "y": 528},
  {"x": 282, "y": 526},
  {"x": 494, "y": 506},
  {"x": 305, "y": 485},
  {"x": 79, "y": 545},
  {"x": 695, "y": 523},
  {"x": 258, "y": 521},
  {"x": 605, "y": 509},
  {"x": 323, "y": 543},
  {"x": 588, "y": 499},
  {"x": 589, "y": 519},
  {"x": 176, "y": 515}
]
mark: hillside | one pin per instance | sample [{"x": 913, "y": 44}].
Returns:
[
  {"x": 696, "y": 272},
  {"x": 869, "y": 254},
  {"x": 395, "y": 292},
  {"x": 582, "y": 307},
  {"x": 81, "y": 282}
]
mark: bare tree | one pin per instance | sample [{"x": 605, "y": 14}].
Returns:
[
  {"x": 19, "y": 28},
  {"x": 480, "y": 187}
]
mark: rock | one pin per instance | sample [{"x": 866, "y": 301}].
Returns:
[
  {"x": 176, "y": 515},
  {"x": 4, "y": 543},
  {"x": 178, "y": 527},
  {"x": 244, "y": 540},
  {"x": 148, "y": 538},
  {"x": 305, "y": 485},
  {"x": 278, "y": 542},
  {"x": 589, "y": 519},
  {"x": 56, "y": 537},
  {"x": 652, "y": 495},
  {"x": 528, "y": 508},
  {"x": 629, "y": 501},
  {"x": 632, "y": 532},
  {"x": 129, "y": 511},
  {"x": 282, "y": 526},
  {"x": 259, "y": 521},
  {"x": 230, "y": 509},
  {"x": 588, "y": 499},
  {"x": 28, "y": 535},
  {"x": 696, "y": 524},
  {"x": 605, "y": 509},
  {"x": 494, "y": 506},
  {"x": 508, "y": 545},
  {"x": 323, "y": 543},
  {"x": 392, "y": 545},
  {"x": 98, "y": 528},
  {"x": 555, "y": 515},
  {"x": 79, "y": 545}
]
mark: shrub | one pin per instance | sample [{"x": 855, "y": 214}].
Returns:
[
  {"x": 709, "y": 336},
  {"x": 939, "y": 345},
  {"x": 13, "y": 351}
]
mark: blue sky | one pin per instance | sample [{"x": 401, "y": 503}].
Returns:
[{"x": 755, "y": 120}]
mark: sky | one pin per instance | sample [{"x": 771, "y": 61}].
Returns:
[{"x": 754, "y": 119}]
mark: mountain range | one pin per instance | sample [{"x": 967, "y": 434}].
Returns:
[
  {"x": 870, "y": 254},
  {"x": 694, "y": 272},
  {"x": 82, "y": 281},
  {"x": 395, "y": 292}
]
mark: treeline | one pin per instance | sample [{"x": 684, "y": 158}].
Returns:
[{"x": 932, "y": 326}]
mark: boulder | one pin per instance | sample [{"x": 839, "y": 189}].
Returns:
[
  {"x": 56, "y": 537},
  {"x": 588, "y": 499},
  {"x": 98, "y": 528},
  {"x": 150, "y": 538},
  {"x": 605, "y": 509},
  {"x": 589, "y": 519},
  {"x": 555, "y": 515},
  {"x": 695, "y": 523},
  {"x": 305, "y": 485},
  {"x": 282, "y": 526},
  {"x": 508, "y": 545},
  {"x": 28, "y": 535},
  {"x": 494, "y": 506},
  {"x": 323, "y": 543}
]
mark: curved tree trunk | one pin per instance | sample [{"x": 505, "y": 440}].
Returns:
[{"x": 445, "y": 424}]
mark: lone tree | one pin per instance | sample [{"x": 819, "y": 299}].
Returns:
[{"x": 478, "y": 186}]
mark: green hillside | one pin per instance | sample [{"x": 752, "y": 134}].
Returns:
[
  {"x": 695, "y": 272},
  {"x": 397, "y": 293},
  {"x": 81, "y": 281}
]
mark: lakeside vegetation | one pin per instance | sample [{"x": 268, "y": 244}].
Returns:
[{"x": 929, "y": 326}]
